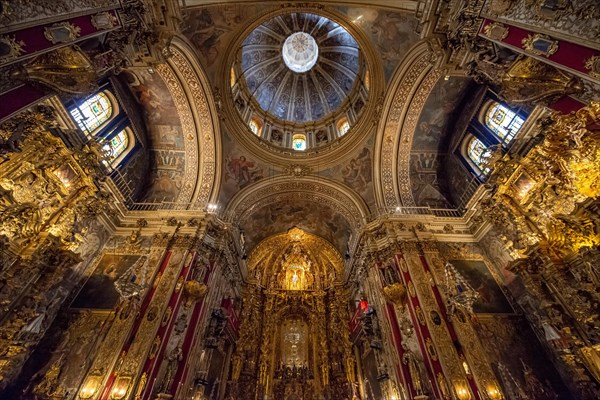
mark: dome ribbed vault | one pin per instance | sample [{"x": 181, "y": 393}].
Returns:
[{"x": 300, "y": 97}]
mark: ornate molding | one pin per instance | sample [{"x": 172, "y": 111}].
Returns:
[
  {"x": 63, "y": 32},
  {"x": 540, "y": 45},
  {"x": 411, "y": 86},
  {"x": 567, "y": 21},
  {"x": 279, "y": 188},
  {"x": 13, "y": 48},
  {"x": 593, "y": 65},
  {"x": 187, "y": 85},
  {"x": 496, "y": 31}
]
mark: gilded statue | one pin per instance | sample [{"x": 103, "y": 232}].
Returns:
[
  {"x": 409, "y": 359},
  {"x": 173, "y": 361}
]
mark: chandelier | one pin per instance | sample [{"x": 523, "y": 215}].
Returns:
[
  {"x": 128, "y": 284},
  {"x": 460, "y": 295}
]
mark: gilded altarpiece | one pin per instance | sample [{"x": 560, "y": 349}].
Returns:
[
  {"x": 49, "y": 230},
  {"x": 295, "y": 342}
]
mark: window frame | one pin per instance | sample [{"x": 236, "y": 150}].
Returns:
[
  {"x": 484, "y": 120},
  {"x": 466, "y": 153},
  {"x": 106, "y": 141},
  {"x": 115, "y": 112},
  {"x": 296, "y": 136}
]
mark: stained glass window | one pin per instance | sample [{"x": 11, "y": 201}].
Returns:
[
  {"x": 93, "y": 113},
  {"x": 478, "y": 152},
  {"x": 117, "y": 145},
  {"x": 299, "y": 142},
  {"x": 232, "y": 78},
  {"x": 503, "y": 121},
  {"x": 255, "y": 126},
  {"x": 343, "y": 126}
]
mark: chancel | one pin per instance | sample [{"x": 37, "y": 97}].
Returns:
[{"x": 299, "y": 200}]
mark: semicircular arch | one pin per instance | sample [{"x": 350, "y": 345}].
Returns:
[
  {"x": 190, "y": 90},
  {"x": 410, "y": 87},
  {"x": 274, "y": 205}
]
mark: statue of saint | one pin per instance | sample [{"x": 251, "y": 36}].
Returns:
[
  {"x": 173, "y": 362},
  {"x": 411, "y": 361}
]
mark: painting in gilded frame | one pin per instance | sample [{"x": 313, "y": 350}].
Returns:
[
  {"x": 491, "y": 298},
  {"x": 100, "y": 292}
]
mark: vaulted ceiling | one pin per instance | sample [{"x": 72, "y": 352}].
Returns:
[{"x": 397, "y": 154}]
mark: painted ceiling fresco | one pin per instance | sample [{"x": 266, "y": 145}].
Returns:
[
  {"x": 211, "y": 29},
  {"x": 391, "y": 33},
  {"x": 427, "y": 167},
  {"x": 165, "y": 135},
  {"x": 315, "y": 218},
  {"x": 299, "y": 97},
  {"x": 240, "y": 168},
  {"x": 357, "y": 173}
]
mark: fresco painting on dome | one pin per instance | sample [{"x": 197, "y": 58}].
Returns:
[
  {"x": 437, "y": 113},
  {"x": 209, "y": 29},
  {"x": 309, "y": 81},
  {"x": 392, "y": 33},
  {"x": 427, "y": 189},
  {"x": 356, "y": 173},
  {"x": 99, "y": 292},
  {"x": 309, "y": 216},
  {"x": 239, "y": 169},
  {"x": 491, "y": 298}
]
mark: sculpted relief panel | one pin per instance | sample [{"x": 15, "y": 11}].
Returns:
[{"x": 575, "y": 18}]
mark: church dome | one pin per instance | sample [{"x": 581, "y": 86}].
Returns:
[{"x": 299, "y": 74}]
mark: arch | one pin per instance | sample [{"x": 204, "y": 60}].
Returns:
[
  {"x": 410, "y": 87},
  {"x": 346, "y": 207},
  {"x": 345, "y": 199},
  {"x": 95, "y": 112},
  {"x": 190, "y": 89}
]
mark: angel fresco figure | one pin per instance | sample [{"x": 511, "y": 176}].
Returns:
[
  {"x": 357, "y": 173},
  {"x": 242, "y": 171}
]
